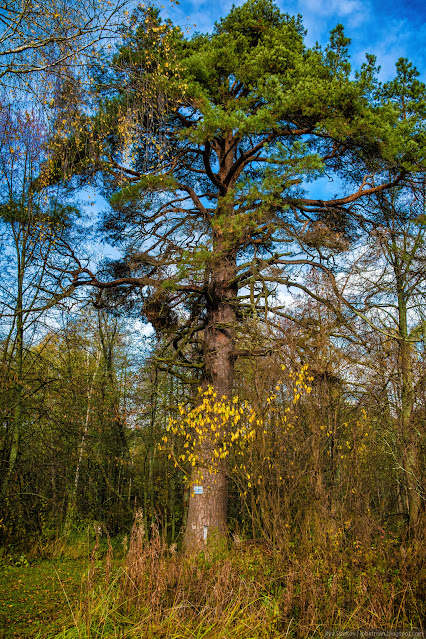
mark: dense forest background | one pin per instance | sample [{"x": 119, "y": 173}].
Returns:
[{"x": 259, "y": 327}]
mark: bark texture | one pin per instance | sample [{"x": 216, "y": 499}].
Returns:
[{"x": 207, "y": 512}]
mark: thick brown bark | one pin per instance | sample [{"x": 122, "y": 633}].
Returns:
[{"x": 207, "y": 512}]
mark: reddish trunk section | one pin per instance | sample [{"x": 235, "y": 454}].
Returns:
[{"x": 207, "y": 513}]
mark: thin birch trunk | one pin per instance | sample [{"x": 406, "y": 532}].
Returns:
[{"x": 72, "y": 502}]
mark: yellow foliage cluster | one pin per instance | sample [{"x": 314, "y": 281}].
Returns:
[
  {"x": 210, "y": 430},
  {"x": 217, "y": 429},
  {"x": 353, "y": 447}
]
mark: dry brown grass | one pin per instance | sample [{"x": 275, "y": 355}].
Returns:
[{"x": 325, "y": 578}]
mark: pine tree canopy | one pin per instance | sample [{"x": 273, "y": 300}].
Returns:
[{"x": 210, "y": 147}]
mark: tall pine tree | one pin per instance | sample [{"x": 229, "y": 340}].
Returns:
[{"x": 206, "y": 147}]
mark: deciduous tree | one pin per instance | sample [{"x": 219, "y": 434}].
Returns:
[{"x": 42, "y": 36}]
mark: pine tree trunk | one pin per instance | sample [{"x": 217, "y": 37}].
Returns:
[{"x": 207, "y": 512}]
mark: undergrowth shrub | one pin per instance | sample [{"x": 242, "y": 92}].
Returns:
[{"x": 248, "y": 589}]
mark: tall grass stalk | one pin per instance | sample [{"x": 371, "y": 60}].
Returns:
[{"x": 251, "y": 591}]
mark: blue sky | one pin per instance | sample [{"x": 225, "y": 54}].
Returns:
[{"x": 387, "y": 28}]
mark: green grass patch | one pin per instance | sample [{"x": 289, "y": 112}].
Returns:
[{"x": 37, "y": 600}]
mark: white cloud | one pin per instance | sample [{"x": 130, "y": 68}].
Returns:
[
  {"x": 333, "y": 9},
  {"x": 143, "y": 328}
]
